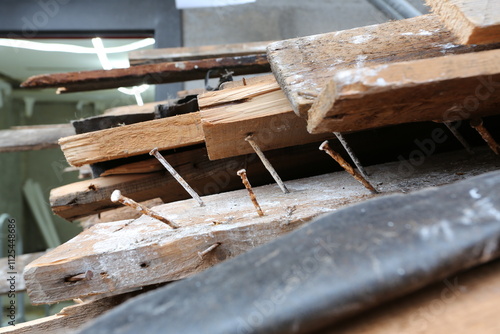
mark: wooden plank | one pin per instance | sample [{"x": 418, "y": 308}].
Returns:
[
  {"x": 20, "y": 262},
  {"x": 133, "y": 139},
  {"x": 146, "y": 108},
  {"x": 120, "y": 213},
  {"x": 228, "y": 116},
  {"x": 420, "y": 90},
  {"x": 150, "y": 252},
  {"x": 207, "y": 177},
  {"x": 33, "y": 138},
  {"x": 147, "y": 74},
  {"x": 139, "y": 167},
  {"x": 462, "y": 304},
  {"x": 69, "y": 318},
  {"x": 473, "y": 22},
  {"x": 152, "y": 56},
  {"x": 303, "y": 66},
  {"x": 128, "y": 254}
]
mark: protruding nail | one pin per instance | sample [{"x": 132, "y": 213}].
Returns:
[
  {"x": 117, "y": 196},
  {"x": 243, "y": 174},
  {"x": 86, "y": 276},
  {"x": 176, "y": 175},
  {"x": 267, "y": 164},
  {"x": 477, "y": 124},
  {"x": 337, "y": 157},
  {"x": 208, "y": 250},
  {"x": 459, "y": 137},
  {"x": 349, "y": 151}
]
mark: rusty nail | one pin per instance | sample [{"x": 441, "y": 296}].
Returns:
[
  {"x": 477, "y": 124},
  {"x": 267, "y": 164},
  {"x": 208, "y": 250},
  {"x": 243, "y": 174},
  {"x": 86, "y": 276},
  {"x": 337, "y": 157},
  {"x": 176, "y": 175},
  {"x": 117, "y": 196},
  {"x": 349, "y": 151}
]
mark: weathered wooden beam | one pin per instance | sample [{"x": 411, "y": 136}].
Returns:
[
  {"x": 19, "y": 263},
  {"x": 413, "y": 91},
  {"x": 128, "y": 254},
  {"x": 441, "y": 308},
  {"x": 152, "y": 56},
  {"x": 303, "y": 66},
  {"x": 69, "y": 318},
  {"x": 260, "y": 109},
  {"x": 34, "y": 137},
  {"x": 473, "y": 22},
  {"x": 147, "y": 74},
  {"x": 134, "y": 139},
  {"x": 206, "y": 177},
  {"x": 336, "y": 267}
]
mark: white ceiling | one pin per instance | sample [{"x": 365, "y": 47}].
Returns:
[{"x": 20, "y": 64}]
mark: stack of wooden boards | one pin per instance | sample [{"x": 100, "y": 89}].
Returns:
[{"x": 398, "y": 72}]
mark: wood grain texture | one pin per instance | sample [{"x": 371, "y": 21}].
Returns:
[
  {"x": 444, "y": 89},
  {"x": 261, "y": 109},
  {"x": 462, "y": 304},
  {"x": 33, "y": 138},
  {"x": 134, "y": 139},
  {"x": 152, "y": 56},
  {"x": 146, "y": 74},
  {"x": 68, "y": 319},
  {"x": 473, "y": 22},
  {"x": 303, "y": 66},
  {"x": 20, "y": 262},
  {"x": 147, "y": 251}
]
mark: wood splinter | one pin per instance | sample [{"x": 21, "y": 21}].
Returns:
[
  {"x": 267, "y": 164},
  {"x": 337, "y": 157},
  {"x": 117, "y": 196},
  {"x": 477, "y": 124},
  {"x": 176, "y": 175},
  {"x": 208, "y": 250},
  {"x": 243, "y": 174}
]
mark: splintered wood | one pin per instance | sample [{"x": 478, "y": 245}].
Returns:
[
  {"x": 228, "y": 116},
  {"x": 303, "y": 66},
  {"x": 413, "y": 91},
  {"x": 473, "y": 22},
  {"x": 134, "y": 139}
]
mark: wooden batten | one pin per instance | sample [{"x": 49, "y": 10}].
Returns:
[
  {"x": 442, "y": 89},
  {"x": 135, "y": 139},
  {"x": 33, "y": 137},
  {"x": 69, "y": 319},
  {"x": 146, "y": 74},
  {"x": 303, "y": 66},
  {"x": 152, "y": 56},
  {"x": 261, "y": 109},
  {"x": 473, "y": 22}
]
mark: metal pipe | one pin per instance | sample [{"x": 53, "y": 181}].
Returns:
[{"x": 396, "y": 9}]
